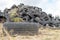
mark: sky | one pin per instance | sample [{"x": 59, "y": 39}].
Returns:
[{"x": 48, "y": 6}]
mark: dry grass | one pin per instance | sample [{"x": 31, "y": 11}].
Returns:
[{"x": 44, "y": 34}]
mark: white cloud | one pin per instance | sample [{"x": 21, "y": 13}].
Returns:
[
  {"x": 7, "y": 3},
  {"x": 49, "y": 6}
]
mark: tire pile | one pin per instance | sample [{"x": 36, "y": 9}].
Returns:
[{"x": 33, "y": 14}]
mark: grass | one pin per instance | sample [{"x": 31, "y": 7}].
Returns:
[{"x": 43, "y": 34}]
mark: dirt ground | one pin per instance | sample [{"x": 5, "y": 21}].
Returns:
[{"x": 43, "y": 34}]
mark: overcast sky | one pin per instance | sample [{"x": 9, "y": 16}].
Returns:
[{"x": 49, "y": 6}]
